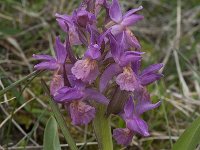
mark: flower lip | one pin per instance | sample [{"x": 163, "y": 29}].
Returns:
[
  {"x": 127, "y": 80},
  {"x": 86, "y": 70},
  {"x": 81, "y": 113}
]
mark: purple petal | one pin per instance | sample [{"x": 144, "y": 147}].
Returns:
[
  {"x": 93, "y": 51},
  {"x": 114, "y": 47},
  {"x": 69, "y": 50},
  {"x": 48, "y": 65},
  {"x": 67, "y": 94},
  {"x": 117, "y": 29},
  {"x": 123, "y": 136},
  {"x": 67, "y": 25},
  {"x": 132, "y": 40},
  {"x": 107, "y": 75},
  {"x": 64, "y": 21},
  {"x": 129, "y": 107},
  {"x": 137, "y": 125},
  {"x": 56, "y": 83},
  {"x": 102, "y": 36},
  {"x": 81, "y": 113},
  {"x": 128, "y": 57},
  {"x": 136, "y": 66},
  {"x": 44, "y": 57},
  {"x": 95, "y": 95},
  {"x": 131, "y": 20},
  {"x": 84, "y": 17},
  {"x": 132, "y": 11},
  {"x": 60, "y": 51},
  {"x": 151, "y": 69},
  {"x": 150, "y": 78},
  {"x": 115, "y": 11},
  {"x": 146, "y": 106}
]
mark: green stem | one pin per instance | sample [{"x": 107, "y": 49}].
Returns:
[{"x": 102, "y": 129}]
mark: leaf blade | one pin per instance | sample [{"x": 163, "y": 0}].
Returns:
[
  {"x": 190, "y": 137},
  {"x": 51, "y": 139}
]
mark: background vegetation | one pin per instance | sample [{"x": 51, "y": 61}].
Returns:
[{"x": 170, "y": 33}]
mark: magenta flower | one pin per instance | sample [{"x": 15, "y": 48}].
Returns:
[
  {"x": 67, "y": 25},
  {"x": 50, "y": 63},
  {"x": 77, "y": 97},
  {"x": 87, "y": 68},
  {"x": 126, "y": 78},
  {"x": 56, "y": 64},
  {"x": 125, "y": 69},
  {"x": 122, "y": 22},
  {"x": 131, "y": 115}
]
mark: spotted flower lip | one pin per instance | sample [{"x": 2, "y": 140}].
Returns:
[
  {"x": 87, "y": 69},
  {"x": 81, "y": 113},
  {"x": 123, "y": 136}
]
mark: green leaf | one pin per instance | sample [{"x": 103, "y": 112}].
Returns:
[
  {"x": 59, "y": 118},
  {"x": 190, "y": 137},
  {"x": 51, "y": 139}
]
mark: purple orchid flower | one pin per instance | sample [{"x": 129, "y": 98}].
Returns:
[
  {"x": 125, "y": 68},
  {"x": 56, "y": 64},
  {"x": 50, "y": 63},
  {"x": 126, "y": 78},
  {"x": 82, "y": 17},
  {"x": 86, "y": 69},
  {"x": 67, "y": 25},
  {"x": 76, "y": 97},
  {"x": 73, "y": 24},
  {"x": 122, "y": 22},
  {"x": 134, "y": 124}
]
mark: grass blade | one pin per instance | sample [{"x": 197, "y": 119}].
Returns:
[
  {"x": 190, "y": 137},
  {"x": 2, "y": 92},
  {"x": 60, "y": 120}
]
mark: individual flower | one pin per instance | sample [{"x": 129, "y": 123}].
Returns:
[
  {"x": 122, "y": 22},
  {"x": 56, "y": 64},
  {"x": 134, "y": 123},
  {"x": 76, "y": 24},
  {"x": 67, "y": 25},
  {"x": 83, "y": 18},
  {"x": 51, "y": 63},
  {"x": 126, "y": 78},
  {"x": 87, "y": 69},
  {"x": 126, "y": 68},
  {"x": 77, "y": 98}
]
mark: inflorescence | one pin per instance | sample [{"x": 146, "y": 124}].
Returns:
[{"x": 109, "y": 72}]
